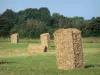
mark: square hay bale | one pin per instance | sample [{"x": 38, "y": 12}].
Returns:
[
  {"x": 34, "y": 48},
  {"x": 14, "y": 38},
  {"x": 69, "y": 51},
  {"x": 45, "y": 39}
]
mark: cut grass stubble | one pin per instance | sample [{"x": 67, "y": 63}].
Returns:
[{"x": 15, "y": 60}]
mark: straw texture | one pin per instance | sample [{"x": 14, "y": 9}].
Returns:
[
  {"x": 69, "y": 51},
  {"x": 14, "y": 38}
]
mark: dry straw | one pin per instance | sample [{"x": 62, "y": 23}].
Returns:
[
  {"x": 45, "y": 39},
  {"x": 14, "y": 38},
  {"x": 32, "y": 48},
  {"x": 69, "y": 51}
]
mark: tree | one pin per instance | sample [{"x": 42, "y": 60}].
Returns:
[
  {"x": 44, "y": 14},
  {"x": 94, "y": 26},
  {"x": 5, "y": 26},
  {"x": 32, "y": 22}
]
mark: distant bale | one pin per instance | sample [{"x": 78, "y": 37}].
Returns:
[
  {"x": 14, "y": 38},
  {"x": 45, "y": 39},
  {"x": 69, "y": 51},
  {"x": 34, "y": 48}
]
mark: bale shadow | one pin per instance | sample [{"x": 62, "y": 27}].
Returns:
[
  {"x": 91, "y": 66},
  {"x": 45, "y": 50},
  {"x": 6, "y": 62}
]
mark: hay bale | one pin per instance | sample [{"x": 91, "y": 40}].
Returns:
[
  {"x": 45, "y": 39},
  {"x": 14, "y": 38},
  {"x": 69, "y": 51},
  {"x": 34, "y": 48}
]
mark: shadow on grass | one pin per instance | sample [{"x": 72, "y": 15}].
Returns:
[
  {"x": 6, "y": 62},
  {"x": 91, "y": 66}
]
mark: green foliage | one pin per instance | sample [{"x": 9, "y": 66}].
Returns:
[
  {"x": 94, "y": 27},
  {"x": 5, "y": 26},
  {"x": 31, "y": 22},
  {"x": 7, "y": 21}
]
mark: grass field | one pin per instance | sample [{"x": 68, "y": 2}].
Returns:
[{"x": 15, "y": 59}]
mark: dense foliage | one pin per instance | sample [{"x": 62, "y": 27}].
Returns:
[{"x": 31, "y": 22}]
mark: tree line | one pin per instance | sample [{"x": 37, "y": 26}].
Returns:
[{"x": 32, "y": 22}]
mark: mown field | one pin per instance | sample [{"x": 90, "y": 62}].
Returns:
[{"x": 16, "y": 60}]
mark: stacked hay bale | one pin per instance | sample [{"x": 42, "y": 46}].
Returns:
[
  {"x": 45, "y": 38},
  {"x": 69, "y": 52},
  {"x": 33, "y": 48},
  {"x": 14, "y": 38}
]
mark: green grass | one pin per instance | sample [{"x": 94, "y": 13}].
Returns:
[
  {"x": 91, "y": 40},
  {"x": 91, "y": 45},
  {"x": 45, "y": 64},
  {"x": 9, "y": 46},
  {"x": 15, "y": 60}
]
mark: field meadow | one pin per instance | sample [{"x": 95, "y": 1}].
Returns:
[{"x": 16, "y": 60}]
